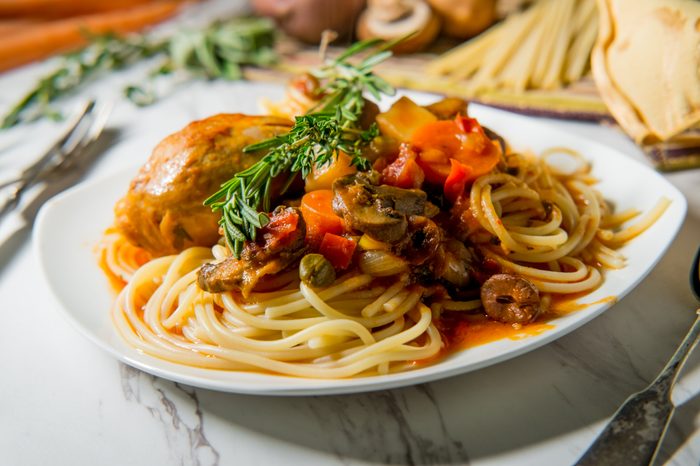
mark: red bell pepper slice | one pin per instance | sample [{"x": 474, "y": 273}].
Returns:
[{"x": 338, "y": 250}]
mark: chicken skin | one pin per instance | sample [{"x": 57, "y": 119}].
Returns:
[{"x": 163, "y": 211}]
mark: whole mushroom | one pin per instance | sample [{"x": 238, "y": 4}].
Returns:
[
  {"x": 463, "y": 19},
  {"x": 392, "y": 19},
  {"x": 307, "y": 19}
]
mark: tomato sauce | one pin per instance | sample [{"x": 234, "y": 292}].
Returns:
[
  {"x": 478, "y": 330},
  {"x": 461, "y": 331},
  {"x": 477, "y": 333},
  {"x": 566, "y": 304},
  {"x": 115, "y": 281}
]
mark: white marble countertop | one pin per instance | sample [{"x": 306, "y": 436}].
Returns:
[{"x": 65, "y": 402}]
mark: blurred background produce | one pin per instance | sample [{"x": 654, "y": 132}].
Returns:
[
  {"x": 216, "y": 51},
  {"x": 527, "y": 56},
  {"x": 394, "y": 19},
  {"x": 543, "y": 47},
  {"x": 35, "y": 29},
  {"x": 463, "y": 19},
  {"x": 307, "y": 19}
]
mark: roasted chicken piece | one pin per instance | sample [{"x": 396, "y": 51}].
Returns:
[
  {"x": 163, "y": 211},
  {"x": 278, "y": 245}
]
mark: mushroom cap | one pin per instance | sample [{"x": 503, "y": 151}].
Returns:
[
  {"x": 421, "y": 20},
  {"x": 463, "y": 19},
  {"x": 307, "y": 19},
  {"x": 510, "y": 299}
]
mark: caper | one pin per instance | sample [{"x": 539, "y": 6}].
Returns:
[{"x": 315, "y": 270}]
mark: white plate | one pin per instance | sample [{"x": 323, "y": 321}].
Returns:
[{"x": 69, "y": 226}]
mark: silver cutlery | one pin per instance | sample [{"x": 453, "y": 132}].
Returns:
[
  {"x": 634, "y": 434},
  {"x": 83, "y": 129},
  {"x": 51, "y": 168}
]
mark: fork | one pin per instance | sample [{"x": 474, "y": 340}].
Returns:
[
  {"x": 634, "y": 434},
  {"x": 83, "y": 130}
]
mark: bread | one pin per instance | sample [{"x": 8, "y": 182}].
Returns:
[{"x": 646, "y": 64}]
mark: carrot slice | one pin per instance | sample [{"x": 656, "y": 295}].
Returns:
[
  {"x": 317, "y": 209},
  {"x": 436, "y": 143},
  {"x": 463, "y": 140}
]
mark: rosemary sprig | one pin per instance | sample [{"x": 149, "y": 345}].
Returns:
[
  {"x": 103, "y": 54},
  {"x": 217, "y": 51},
  {"x": 315, "y": 138}
]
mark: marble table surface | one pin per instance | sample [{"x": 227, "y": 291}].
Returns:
[{"x": 65, "y": 402}]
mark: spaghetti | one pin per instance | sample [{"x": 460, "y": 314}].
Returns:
[
  {"x": 529, "y": 217},
  {"x": 562, "y": 251},
  {"x": 301, "y": 332}
]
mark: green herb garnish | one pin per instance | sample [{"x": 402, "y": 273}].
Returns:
[
  {"x": 330, "y": 127},
  {"x": 217, "y": 51}
]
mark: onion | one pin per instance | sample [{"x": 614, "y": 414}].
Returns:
[
  {"x": 381, "y": 263},
  {"x": 455, "y": 271},
  {"x": 457, "y": 263}
]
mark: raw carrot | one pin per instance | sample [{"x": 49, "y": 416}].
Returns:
[
  {"x": 13, "y": 26},
  {"x": 62, "y": 8},
  {"x": 40, "y": 41}
]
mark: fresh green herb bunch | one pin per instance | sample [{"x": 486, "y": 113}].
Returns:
[
  {"x": 217, "y": 51},
  {"x": 330, "y": 127},
  {"x": 105, "y": 53},
  {"x": 220, "y": 50},
  {"x": 345, "y": 83}
]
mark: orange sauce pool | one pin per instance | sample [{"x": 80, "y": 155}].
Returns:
[
  {"x": 479, "y": 330},
  {"x": 562, "y": 305},
  {"x": 475, "y": 330},
  {"x": 133, "y": 255},
  {"x": 486, "y": 331}
]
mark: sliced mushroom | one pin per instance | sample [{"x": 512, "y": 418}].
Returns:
[
  {"x": 307, "y": 19},
  {"x": 404, "y": 201},
  {"x": 392, "y": 19},
  {"x": 420, "y": 242},
  {"x": 379, "y": 211},
  {"x": 457, "y": 263},
  {"x": 280, "y": 244},
  {"x": 510, "y": 299}
]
